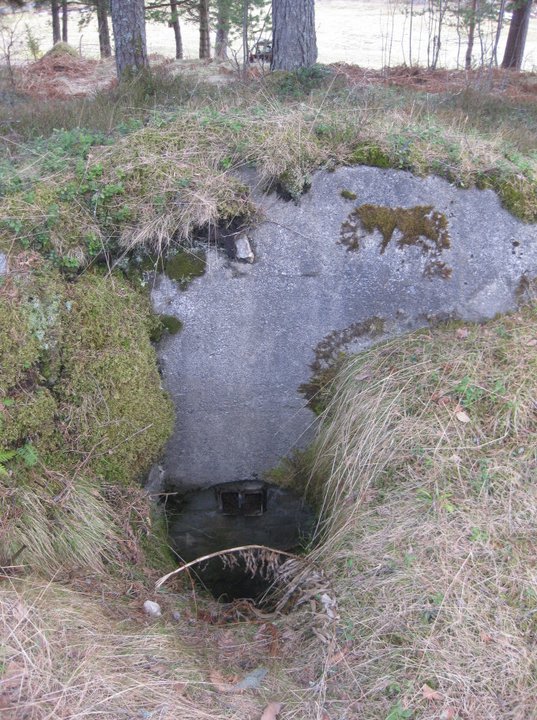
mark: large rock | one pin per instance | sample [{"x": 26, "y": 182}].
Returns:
[{"x": 324, "y": 279}]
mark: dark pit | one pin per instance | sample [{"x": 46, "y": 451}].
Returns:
[{"x": 231, "y": 515}]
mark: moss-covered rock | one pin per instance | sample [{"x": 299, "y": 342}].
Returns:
[
  {"x": 111, "y": 395},
  {"x": 81, "y": 410}
]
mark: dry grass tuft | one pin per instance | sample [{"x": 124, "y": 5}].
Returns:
[
  {"x": 67, "y": 655},
  {"x": 427, "y": 464}
]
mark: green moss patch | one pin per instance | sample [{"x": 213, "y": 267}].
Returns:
[
  {"x": 81, "y": 408},
  {"x": 421, "y": 225},
  {"x": 348, "y": 195},
  {"x": 186, "y": 265},
  {"x": 373, "y": 155},
  {"x": 111, "y": 388}
]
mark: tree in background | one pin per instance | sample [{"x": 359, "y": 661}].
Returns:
[
  {"x": 105, "y": 46},
  {"x": 518, "y": 32},
  {"x": 234, "y": 18},
  {"x": 174, "y": 24},
  {"x": 167, "y": 12},
  {"x": 56, "y": 31},
  {"x": 128, "y": 23},
  {"x": 294, "y": 43},
  {"x": 205, "y": 36},
  {"x": 64, "y": 21},
  {"x": 223, "y": 27}
]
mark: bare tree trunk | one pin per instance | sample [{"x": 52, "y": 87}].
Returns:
[
  {"x": 245, "y": 53},
  {"x": 221, "y": 43},
  {"x": 128, "y": 22},
  {"x": 294, "y": 44},
  {"x": 499, "y": 26},
  {"x": 174, "y": 23},
  {"x": 205, "y": 38},
  {"x": 410, "y": 33},
  {"x": 105, "y": 46},
  {"x": 222, "y": 30},
  {"x": 518, "y": 32},
  {"x": 56, "y": 32},
  {"x": 64, "y": 21},
  {"x": 471, "y": 35}
]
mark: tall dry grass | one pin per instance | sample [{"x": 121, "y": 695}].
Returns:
[{"x": 426, "y": 462}]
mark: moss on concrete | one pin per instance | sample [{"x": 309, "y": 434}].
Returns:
[
  {"x": 329, "y": 355},
  {"x": 186, "y": 265},
  {"x": 348, "y": 195},
  {"x": 421, "y": 225},
  {"x": 171, "y": 324}
]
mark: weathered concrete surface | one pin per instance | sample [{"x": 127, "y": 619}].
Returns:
[{"x": 250, "y": 331}]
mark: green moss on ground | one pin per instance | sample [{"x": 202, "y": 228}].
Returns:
[
  {"x": 373, "y": 155},
  {"x": 81, "y": 406},
  {"x": 110, "y": 383}
]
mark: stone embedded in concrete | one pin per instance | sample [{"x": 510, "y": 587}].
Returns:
[
  {"x": 243, "y": 249},
  {"x": 251, "y": 331}
]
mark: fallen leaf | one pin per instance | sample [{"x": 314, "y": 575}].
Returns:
[
  {"x": 462, "y": 333},
  {"x": 532, "y": 342},
  {"x": 462, "y": 416},
  {"x": 272, "y": 711},
  {"x": 447, "y": 714},
  {"x": 430, "y": 694},
  {"x": 485, "y": 637}
]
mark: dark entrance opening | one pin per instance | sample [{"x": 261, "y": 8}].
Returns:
[{"x": 233, "y": 515}]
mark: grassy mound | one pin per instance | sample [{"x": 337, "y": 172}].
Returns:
[
  {"x": 82, "y": 411},
  {"x": 425, "y": 472},
  {"x": 162, "y": 179}
]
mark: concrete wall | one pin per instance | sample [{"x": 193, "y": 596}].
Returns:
[{"x": 251, "y": 330}]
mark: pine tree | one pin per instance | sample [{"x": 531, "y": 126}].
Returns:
[{"x": 294, "y": 44}]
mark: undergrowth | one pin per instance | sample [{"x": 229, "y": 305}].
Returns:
[
  {"x": 424, "y": 471},
  {"x": 81, "y": 412},
  {"x": 166, "y": 174}
]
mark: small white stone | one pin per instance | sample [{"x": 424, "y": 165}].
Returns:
[
  {"x": 3, "y": 264},
  {"x": 243, "y": 249},
  {"x": 152, "y": 609},
  {"x": 176, "y": 615}
]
